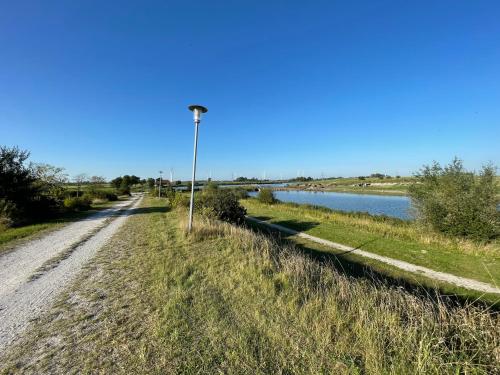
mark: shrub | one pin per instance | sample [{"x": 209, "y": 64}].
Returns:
[
  {"x": 178, "y": 200},
  {"x": 36, "y": 190},
  {"x": 266, "y": 196},
  {"x": 100, "y": 194},
  {"x": 222, "y": 204},
  {"x": 211, "y": 186},
  {"x": 240, "y": 193},
  {"x": 78, "y": 204},
  {"x": 124, "y": 190},
  {"x": 7, "y": 214},
  {"x": 456, "y": 202},
  {"x": 111, "y": 197}
]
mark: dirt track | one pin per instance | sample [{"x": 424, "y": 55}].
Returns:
[{"x": 32, "y": 274}]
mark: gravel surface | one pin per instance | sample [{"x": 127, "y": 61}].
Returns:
[
  {"x": 409, "y": 267},
  {"x": 24, "y": 297}
]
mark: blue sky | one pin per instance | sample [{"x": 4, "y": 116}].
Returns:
[{"x": 333, "y": 87}]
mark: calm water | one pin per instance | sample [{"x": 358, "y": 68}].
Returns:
[
  {"x": 394, "y": 206},
  {"x": 282, "y": 184}
]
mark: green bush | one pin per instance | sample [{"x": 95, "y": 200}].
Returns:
[
  {"x": 102, "y": 194},
  {"x": 78, "y": 204},
  {"x": 124, "y": 190},
  {"x": 456, "y": 202},
  {"x": 35, "y": 190},
  {"x": 222, "y": 204},
  {"x": 178, "y": 199},
  {"x": 266, "y": 196},
  {"x": 8, "y": 213},
  {"x": 240, "y": 193}
]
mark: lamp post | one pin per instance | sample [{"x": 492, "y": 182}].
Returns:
[
  {"x": 197, "y": 111},
  {"x": 159, "y": 187}
]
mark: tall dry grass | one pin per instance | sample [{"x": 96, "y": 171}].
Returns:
[
  {"x": 390, "y": 228},
  {"x": 324, "y": 321}
]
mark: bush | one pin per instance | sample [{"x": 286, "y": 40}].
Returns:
[
  {"x": 266, "y": 196},
  {"x": 101, "y": 194},
  {"x": 178, "y": 199},
  {"x": 78, "y": 204},
  {"x": 35, "y": 190},
  {"x": 124, "y": 190},
  {"x": 222, "y": 204},
  {"x": 8, "y": 213},
  {"x": 111, "y": 197},
  {"x": 456, "y": 202},
  {"x": 240, "y": 193}
]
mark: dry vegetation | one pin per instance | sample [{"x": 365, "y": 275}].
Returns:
[{"x": 228, "y": 300}]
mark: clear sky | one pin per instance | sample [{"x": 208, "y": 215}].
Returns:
[{"x": 334, "y": 87}]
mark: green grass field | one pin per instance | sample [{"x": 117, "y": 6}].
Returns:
[
  {"x": 228, "y": 300},
  {"x": 391, "y": 238}
]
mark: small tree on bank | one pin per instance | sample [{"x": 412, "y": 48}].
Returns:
[
  {"x": 266, "y": 196},
  {"x": 456, "y": 202}
]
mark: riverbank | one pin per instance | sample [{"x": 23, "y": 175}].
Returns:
[
  {"x": 228, "y": 300},
  {"x": 364, "y": 185},
  {"x": 392, "y": 238},
  {"x": 397, "y": 191}
]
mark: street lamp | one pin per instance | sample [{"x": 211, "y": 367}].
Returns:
[
  {"x": 159, "y": 188},
  {"x": 197, "y": 111}
]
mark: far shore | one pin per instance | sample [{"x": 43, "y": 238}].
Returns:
[{"x": 343, "y": 189}]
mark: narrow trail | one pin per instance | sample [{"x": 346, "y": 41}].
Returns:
[
  {"x": 409, "y": 267},
  {"x": 33, "y": 274}
]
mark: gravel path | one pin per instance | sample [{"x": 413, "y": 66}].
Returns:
[
  {"x": 32, "y": 274},
  {"x": 409, "y": 267}
]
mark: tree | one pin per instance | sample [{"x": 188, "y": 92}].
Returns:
[
  {"x": 79, "y": 180},
  {"x": 116, "y": 182},
  {"x": 126, "y": 181},
  {"x": 27, "y": 191},
  {"x": 16, "y": 181},
  {"x": 134, "y": 180},
  {"x": 150, "y": 183},
  {"x": 124, "y": 188},
  {"x": 49, "y": 180},
  {"x": 97, "y": 180},
  {"x": 457, "y": 202}
]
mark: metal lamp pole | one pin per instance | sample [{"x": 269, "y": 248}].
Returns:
[{"x": 197, "y": 111}]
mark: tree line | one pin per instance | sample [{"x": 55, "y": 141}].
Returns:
[{"x": 31, "y": 192}]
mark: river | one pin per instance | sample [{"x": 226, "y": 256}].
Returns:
[{"x": 394, "y": 206}]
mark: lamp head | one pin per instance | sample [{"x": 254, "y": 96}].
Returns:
[{"x": 197, "y": 111}]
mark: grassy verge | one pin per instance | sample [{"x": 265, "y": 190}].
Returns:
[
  {"x": 391, "y": 238},
  {"x": 228, "y": 300},
  {"x": 13, "y": 236}
]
